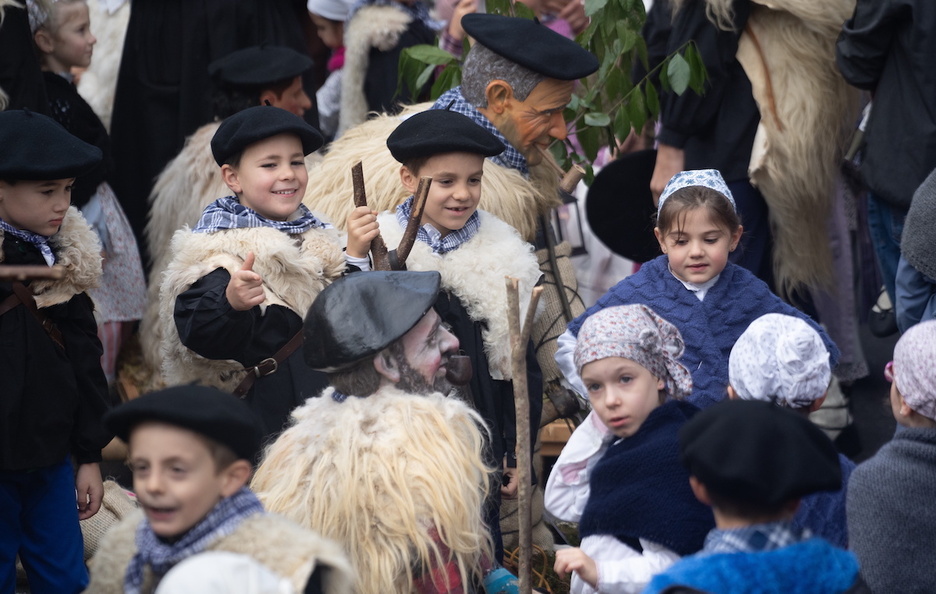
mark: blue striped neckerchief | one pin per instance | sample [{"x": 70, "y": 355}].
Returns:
[
  {"x": 453, "y": 100},
  {"x": 431, "y": 236},
  {"x": 228, "y": 213},
  {"x": 40, "y": 241}
]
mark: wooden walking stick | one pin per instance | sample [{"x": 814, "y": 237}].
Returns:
[
  {"x": 399, "y": 255},
  {"x": 378, "y": 247},
  {"x": 519, "y": 337},
  {"x": 21, "y": 272}
]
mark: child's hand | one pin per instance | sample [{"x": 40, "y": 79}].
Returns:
[
  {"x": 568, "y": 560},
  {"x": 90, "y": 489},
  {"x": 362, "y": 229},
  {"x": 461, "y": 9},
  {"x": 246, "y": 287}
]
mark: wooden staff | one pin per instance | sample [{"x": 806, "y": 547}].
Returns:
[
  {"x": 23, "y": 272},
  {"x": 568, "y": 179},
  {"x": 399, "y": 255},
  {"x": 519, "y": 337},
  {"x": 378, "y": 247}
]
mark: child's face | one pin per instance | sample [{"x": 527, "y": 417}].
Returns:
[
  {"x": 271, "y": 177},
  {"x": 455, "y": 190},
  {"x": 622, "y": 393},
  {"x": 175, "y": 477},
  {"x": 699, "y": 250},
  {"x": 37, "y": 206},
  {"x": 72, "y": 44},
  {"x": 330, "y": 32},
  {"x": 294, "y": 99}
]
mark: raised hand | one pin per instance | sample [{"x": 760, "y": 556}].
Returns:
[{"x": 245, "y": 289}]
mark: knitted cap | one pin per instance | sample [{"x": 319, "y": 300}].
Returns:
[
  {"x": 706, "y": 178},
  {"x": 781, "y": 359},
  {"x": 637, "y": 333},
  {"x": 915, "y": 368}
]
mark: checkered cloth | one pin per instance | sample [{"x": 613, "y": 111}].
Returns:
[
  {"x": 432, "y": 237},
  {"x": 754, "y": 539},
  {"x": 228, "y": 213},
  {"x": 40, "y": 241}
]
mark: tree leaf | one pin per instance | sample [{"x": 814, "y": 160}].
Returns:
[
  {"x": 421, "y": 81},
  {"x": 678, "y": 73},
  {"x": 653, "y": 99},
  {"x": 593, "y": 6},
  {"x": 590, "y": 139},
  {"x": 596, "y": 118},
  {"x": 523, "y": 11},
  {"x": 429, "y": 54},
  {"x": 449, "y": 78}
]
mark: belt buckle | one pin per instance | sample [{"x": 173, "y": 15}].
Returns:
[{"x": 268, "y": 363}]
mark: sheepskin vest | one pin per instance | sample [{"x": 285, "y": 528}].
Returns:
[
  {"x": 389, "y": 477},
  {"x": 475, "y": 274},
  {"x": 787, "y": 50},
  {"x": 283, "y": 547},
  {"x": 378, "y": 27},
  {"x": 293, "y": 275},
  {"x": 78, "y": 250}
]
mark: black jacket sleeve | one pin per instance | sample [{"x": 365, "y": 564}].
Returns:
[{"x": 866, "y": 40}]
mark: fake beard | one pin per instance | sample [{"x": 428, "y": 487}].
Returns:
[{"x": 413, "y": 382}]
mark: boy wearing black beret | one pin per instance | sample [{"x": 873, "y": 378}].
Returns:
[
  {"x": 473, "y": 251},
  {"x": 191, "y": 449},
  {"x": 752, "y": 462},
  {"x": 234, "y": 295},
  {"x": 53, "y": 392}
]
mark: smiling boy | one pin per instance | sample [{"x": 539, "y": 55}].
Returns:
[
  {"x": 473, "y": 251},
  {"x": 240, "y": 282},
  {"x": 190, "y": 452}
]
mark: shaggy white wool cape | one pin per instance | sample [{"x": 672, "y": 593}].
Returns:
[{"x": 379, "y": 475}]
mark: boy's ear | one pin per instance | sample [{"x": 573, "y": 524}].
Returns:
[
  {"x": 408, "y": 179},
  {"x": 229, "y": 175},
  {"x": 732, "y": 395},
  {"x": 268, "y": 96},
  {"x": 43, "y": 40},
  {"x": 386, "y": 365},
  {"x": 235, "y": 476},
  {"x": 699, "y": 490}
]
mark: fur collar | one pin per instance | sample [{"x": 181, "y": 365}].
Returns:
[
  {"x": 293, "y": 276},
  {"x": 373, "y": 27},
  {"x": 77, "y": 249},
  {"x": 475, "y": 274}
]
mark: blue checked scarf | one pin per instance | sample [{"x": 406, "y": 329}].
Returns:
[
  {"x": 431, "y": 236},
  {"x": 453, "y": 100},
  {"x": 754, "y": 539},
  {"x": 417, "y": 10},
  {"x": 40, "y": 241},
  {"x": 228, "y": 213},
  {"x": 221, "y": 521}
]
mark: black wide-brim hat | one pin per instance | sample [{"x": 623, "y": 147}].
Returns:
[
  {"x": 361, "y": 314},
  {"x": 257, "y": 123},
  {"x": 34, "y": 147},
  {"x": 259, "y": 65},
  {"x": 438, "y": 131},
  {"x": 531, "y": 45},
  {"x": 620, "y": 209},
  {"x": 206, "y": 411}
]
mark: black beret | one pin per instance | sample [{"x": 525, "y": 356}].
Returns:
[
  {"x": 34, "y": 147},
  {"x": 532, "y": 45},
  {"x": 439, "y": 131},
  {"x": 207, "y": 411},
  {"x": 620, "y": 207},
  {"x": 757, "y": 452},
  {"x": 361, "y": 314},
  {"x": 259, "y": 65},
  {"x": 256, "y": 123}
]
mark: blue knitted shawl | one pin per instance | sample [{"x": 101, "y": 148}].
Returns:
[
  {"x": 639, "y": 488},
  {"x": 807, "y": 567},
  {"x": 710, "y": 327},
  {"x": 824, "y": 512}
]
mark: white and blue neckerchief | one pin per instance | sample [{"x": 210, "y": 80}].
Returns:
[
  {"x": 228, "y": 213},
  {"x": 40, "y": 241},
  {"x": 754, "y": 539},
  {"x": 432, "y": 237},
  {"x": 453, "y": 100}
]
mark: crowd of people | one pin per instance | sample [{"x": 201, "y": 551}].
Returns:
[{"x": 319, "y": 413}]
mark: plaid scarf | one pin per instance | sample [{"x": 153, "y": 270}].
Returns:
[
  {"x": 40, "y": 241},
  {"x": 221, "y": 521},
  {"x": 453, "y": 100},
  {"x": 432, "y": 237},
  {"x": 754, "y": 539},
  {"x": 228, "y": 213},
  {"x": 417, "y": 10}
]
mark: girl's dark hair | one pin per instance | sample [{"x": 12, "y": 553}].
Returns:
[{"x": 721, "y": 210}]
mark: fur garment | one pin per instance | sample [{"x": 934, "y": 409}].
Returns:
[
  {"x": 273, "y": 541},
  {"x": 379, "y": 475},
  {"x": 377, "y": 27},
  {"x": 78, "y": 250},
  {"x": 787, "y": 50},
  {"x": 293, "y": 275},
  {"x": 505, "y": 193},
  {"x": 475, "y": 273}
]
